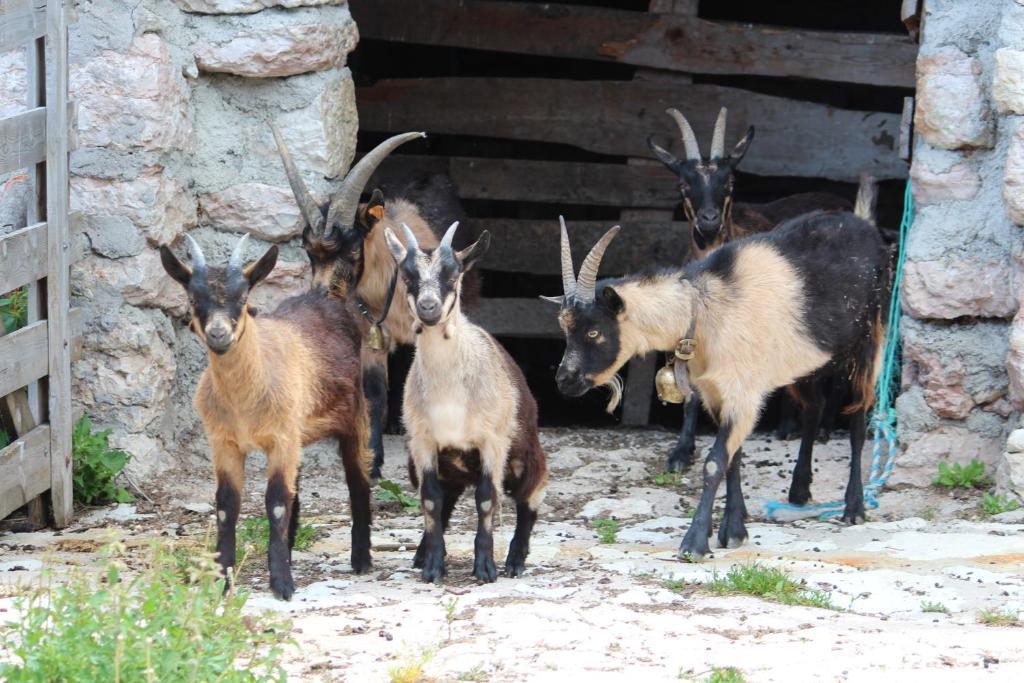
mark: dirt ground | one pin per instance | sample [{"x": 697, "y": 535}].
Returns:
[{"x": 604, "y": 610}]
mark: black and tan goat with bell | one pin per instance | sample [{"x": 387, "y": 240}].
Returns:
[{"x": 758, "y": 314}]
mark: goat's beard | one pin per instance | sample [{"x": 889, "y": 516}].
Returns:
[{"x": 614, "y": 385}]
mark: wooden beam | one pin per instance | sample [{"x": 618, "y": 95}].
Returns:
[
  {"x": 22, "y": 257},
  {"x": 517, "y": 317},
  {"x": 558, "y": 182},
  {"x": 907, "y": 129},
  {"x": 21, "y": 21},
  {"x": 669, "y": 41},
  {"x": 794, "y": 138},
  {"x": 58, "y": 287},
  {"x": 24, "y": 469},
  {"x": 531, "y": 246},
  {"x": 22, "y": 139},
  {"x": 23, "y": 357},
  {"x": 636, "y": 394}
]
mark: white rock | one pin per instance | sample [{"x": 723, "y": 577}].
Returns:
[
  {"x": 1015, "y": 442},
  {"x": 155, "y": 202},
  {"x": 265, "y": 211},
  {"x": 1008, "y": 81},
  {"x": 952, "y": 111},
  {"x": 955, "y": 287},
  {"x": 284, "y": 50},
  {"x": 322, "y": 136}
]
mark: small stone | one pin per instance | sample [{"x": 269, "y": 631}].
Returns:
[
  {"x": 951, "y": 110},
  {"x": 198, "y": 508},
  {"x": 1015, "y": 442},
  {"x": 1008, "y": 81}
]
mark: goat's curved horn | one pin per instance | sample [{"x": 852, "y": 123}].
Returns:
[
  {"x": 689, "y": 139},
  {"x": 307, "y": 205},
  {"x": 345, "y": 202},
  {"x": 410, "y": 239},
  {"x": 198, "y": 258},
  {"x": 235, "y": 262},
  {"x": 568, "y": 278},
  {"x": 588, "y": 271},
  {"x": 718, "y": 139},
  {"x": 446, "y": 241}
]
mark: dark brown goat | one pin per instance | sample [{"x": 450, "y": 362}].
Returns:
[{"x": 275, "y": 383}]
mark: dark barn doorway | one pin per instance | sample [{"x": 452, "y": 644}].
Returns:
[{"x": 539, "y": 109}]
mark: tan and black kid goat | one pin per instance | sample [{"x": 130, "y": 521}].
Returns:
[
  {"x": 275, "y": 383},
  {"x": 757, "y": 314},
  {"x": 470, "y": 418}
]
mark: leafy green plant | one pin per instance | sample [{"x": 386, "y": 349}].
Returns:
[
  {"x": 936, "y": 607},
  {"x": 675, "y": 585},
  {"x": 606, "y": 530},
  {"x": 96, "y": 465},
  {"x": 957, "y": 476},
  {"x": 667, "y": 479},
  {"x": 769, "y": 583},
  {"x": 153, "y": 626},
  {"x": 449, "y": 613},
  {"x": 390, "y": 492},
  {"x": 726, "y": 675},
  {"x": 14, "y": 310},
  {"x": 253, "y": 536},
  {"x": 992, "y": 504},
  {"x": 992, "y": 617},
  {"x": 411, "y": 669}
]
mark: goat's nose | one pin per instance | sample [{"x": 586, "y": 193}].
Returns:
[
  {"x": 429, "y": 306},
  {"x": 218, "y": 335},
  {"x": 708, "y": 215}
]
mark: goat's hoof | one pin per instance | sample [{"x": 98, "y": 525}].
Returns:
[
  {"x": 680, "y": 459},
  {"x": 375, "y": 474},
  {"x": 282, "y": 587},
  {"x": 694, "y": 549},
  {"x": 824, "y": 436},
  {"x": 514, "y": 568},
  {"x": 484, "y": 569},
  {"x": 799, "y": 496},
  {"x": 731, "y": 536},
  {"x": 853, "y": 518},
  {"x": 433, "y": 568},
  {"x": 362, "y": 564}
]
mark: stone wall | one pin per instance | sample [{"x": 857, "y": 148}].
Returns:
[
  {"x": 962, "y": 388},
  {"x": 174, "y": 98}
]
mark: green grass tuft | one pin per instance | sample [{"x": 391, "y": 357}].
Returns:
[
  {"x": 991, "y": 504},
  {"x": 936, "y": 607},
  {"x": 411, "y": 668},
  {"x": 726, "y": 675},
  {"x": 253, "y": 536},
  {"x": 957, "y": 476},
  {"x": 153, "y": 626},
  {"x": 390, "y": 492},
  {"x": 675, "y": 585},
  {"x": 667, "y": 479},
  {"x": 606, "y": 530},
  {"x": 992, "y": 617},
  {"x": 769, "y": 583}
]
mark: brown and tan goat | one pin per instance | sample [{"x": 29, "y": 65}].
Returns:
[
  {"x": 275, "y": 383},
  {"x": 470, "y": 417},
  {"x": 345, "y": 243}
]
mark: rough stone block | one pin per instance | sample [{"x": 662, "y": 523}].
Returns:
[
  {"x": 138, "y": 280},
  {"x": 956, "y": 286},
  {"x": 114, "y": 236},
  {"x": 284, "y": 50},
  {"x": 1009, "y": 477},
  {"x": 1013, "y": 178},
  {"x": 265, "y": 211},
  {"x": 322, "y": 136},
  {"x": 952, "y": 111},
  {"x": 918, "y": 465},
  {"x": 155, "y": 202},
  {"x": 1008, "y": 81},
  {"x": 248, "y": 6},
  {"x": 932, "y": 185},
  {"x": 288, "y": 278},
  {"x": 136, "y": 99}
]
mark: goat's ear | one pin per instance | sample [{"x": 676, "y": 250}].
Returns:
[
  {"x": 611, "y": 299},
  {"x": 740, "y": 150},
  {"x": 396, "y": 248},
  {"x": 468, "y": 256},
  {"x": 258, "y": 271},
  {"x": 174, "y": 267},
  {"x": 372, "y": 212},
  {"x": 664, "y": 156}
]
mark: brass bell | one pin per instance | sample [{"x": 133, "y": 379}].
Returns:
[
  {"x": 375, "y": 338},
  {"x": 667, "y": 387}
]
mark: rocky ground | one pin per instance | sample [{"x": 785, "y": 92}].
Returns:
[{"x": 626, "y": 610}]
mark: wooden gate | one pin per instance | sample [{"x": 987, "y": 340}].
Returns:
[{"x": 35, "y": 358}]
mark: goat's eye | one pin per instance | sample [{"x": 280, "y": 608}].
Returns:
[{"x": 593, "y": 334}]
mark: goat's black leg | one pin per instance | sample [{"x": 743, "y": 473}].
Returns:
[
  {"x": 229, "y": 499},
  {"x": 452, "y": 493},
  {"x": 519, "y": 548},
  {"x": 484, "y": 568},
  {"x": 432, "y": 502},
  {"x": 789, "y": 425},
  {"x": 399, "y": 362},
  {"x": 681, "y": 457},
  {"x": 293, "y": 527},
  {"x": 800, "y": 488},
  {"x": 355, "y": 458},
  {"x": 835, "y": 393},
  {"x": 375, "y": 388},
  {"x": 732, "y": 532},
  {"x": 854, "y": 512},
  {"x": 279, "y": 499},
  {"x": 695, "y": 542}
]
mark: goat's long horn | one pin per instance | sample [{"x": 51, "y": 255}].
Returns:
[
  {"x": 235, "y": 262},
  {"x": 689, "y": 139},
  {"x": 345, "y": 202},
  {"x": 588, "y": 271},
  {"x": 718, "y": 139},
  {"x": 568, "y": 278},
  {"x": 410, "y": 239},
  {"x": 307, "y": 205},
  {"x": 198, "y": 258},
  {"x": 446, "y": 241}
]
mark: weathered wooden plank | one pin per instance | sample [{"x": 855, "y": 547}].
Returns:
[
  {"x": 907, "y": 129},
  {"x": 23, "y": 357},
  {"x": 517, "y": 317},
  {"x": 794, "y": 138},
  {"x": 24, "y": 469},
  {"x": 531, "y": 246},
  {"x": 20, "y": 22},
  {"x": 560, "y": 182},
  {"x": 58, "y": 294},
  {"x": 22, "y": 139},
  {"x": 662, "y": 41},
  {"x": 22, "y": 257},
  {"x": 636, "y": 394}
]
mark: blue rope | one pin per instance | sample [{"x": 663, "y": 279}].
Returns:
[{"x": 883, "y": 419}]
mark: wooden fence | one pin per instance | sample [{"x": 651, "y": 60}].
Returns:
[
  {"x": 35, "y": 360},
  {"x": 606, "y": 122}
]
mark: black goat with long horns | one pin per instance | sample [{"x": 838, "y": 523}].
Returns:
[
  {"x": 345, "y": 243},
  {"x": 758, "y": 314}
]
